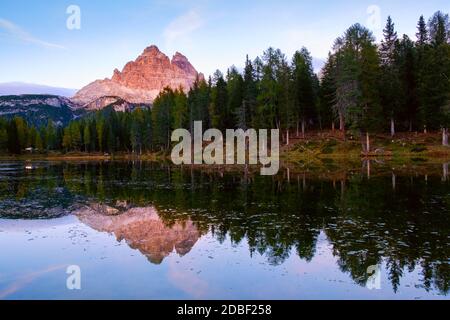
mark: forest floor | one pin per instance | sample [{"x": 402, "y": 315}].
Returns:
[{"x": 332, "y": 145}]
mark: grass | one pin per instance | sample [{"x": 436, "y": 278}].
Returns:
[
  {"x": 331, "y": 145},
  {"x": 322, "y": 150}
]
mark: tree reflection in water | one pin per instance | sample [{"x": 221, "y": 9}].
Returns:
[{"x": 399, "y": 219}]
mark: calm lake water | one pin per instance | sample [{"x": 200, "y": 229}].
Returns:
[{"x": 147, "y": 231}]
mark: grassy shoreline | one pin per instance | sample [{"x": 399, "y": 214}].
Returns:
[{"x": 314, "y": 146}]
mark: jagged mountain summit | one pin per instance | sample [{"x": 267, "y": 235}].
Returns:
[{"x": 141, "y": 80}]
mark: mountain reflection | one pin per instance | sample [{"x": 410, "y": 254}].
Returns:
[
  {"x": 142, "y": 229},
  {"x": 399, "y": 219}
]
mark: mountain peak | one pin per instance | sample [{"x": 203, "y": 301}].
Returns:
[
  {"x": 178, "y": 55},
  {"x": 152, "y": 49},
  {"x": 141, "y": 80}
]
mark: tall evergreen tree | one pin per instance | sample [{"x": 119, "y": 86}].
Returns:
[
  {"x": 439, "y": 86},
  {"x": 268, "y": 113},
  {"x": 406, "y": 64},
  {"x": 358, "y": 72},
  {"x": 248, "y": 108},
  {"x": 327, "y": 94},
  {"x": 305, "y": 98},
  {"x": 422, "y": 32},
  {"x": 390, "y": 77},
  {"x": 235, "y": 90},
  {"x": 219, "y": 102},
  {"x": 162, "y": 118}
]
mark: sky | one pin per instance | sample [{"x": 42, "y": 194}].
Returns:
[{"x": 41, "y": 41}]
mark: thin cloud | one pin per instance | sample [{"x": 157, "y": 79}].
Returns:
[
  {"x": 182, "y": 27},
  {"x": 26, "y": 279},
  {"x": 18, "y": 33}
]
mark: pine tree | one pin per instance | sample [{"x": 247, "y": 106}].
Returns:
[
  {"x": 162, "y": 118},
  {"x": 13, "y": 138},
  {"x": 389, "y": 42},
  {"x": 357, "y": 76},
  {"x": 235, "y": 90},
  {"x": 248, "y": 108},
  {"x": 180, "y": 110},
  {"x": 390, "y": 77},
  {"x": 67, "y": 139},
  {"x": 50, "y": 136},
  {"x": 327, "y": 94},
  {"x": 439, "y": 26},
  {"x": 87, "y": 138},
  {"x": 32, "y": 133},
  {"x": 303, "y": 87},
  {"x": 423, "y": 72},
  {"x": 3, "y": 139},
  {"x": 147, "y": 127},
  {"x": 268, "y": 107},
  {"x": 422, "y": 32},
  {"x": 219, "y": 102},
  {"x": 199, "y": 104},
  {"x": 406, "y": 55},
  {"x": 100, "y": 128},
  {"x": 38, "y": 142},
  {"x": 21, "y": 128}
]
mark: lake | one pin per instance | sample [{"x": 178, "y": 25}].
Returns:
[{"x": 143, "y": 230}]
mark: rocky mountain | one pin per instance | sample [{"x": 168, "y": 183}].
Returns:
[
  {"x": 141, "y": 80},
  {"x": 39, "y": 109},
  {"x": 117, "y": 103},
  {"x": 142, "y": 229}
]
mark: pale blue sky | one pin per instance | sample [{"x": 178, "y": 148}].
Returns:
[{"x": 36, "y": 46}]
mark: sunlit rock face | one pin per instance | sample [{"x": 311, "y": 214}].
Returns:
[
  {"x": 142, "y": 80},
  {"x": 142, "y": 229}
]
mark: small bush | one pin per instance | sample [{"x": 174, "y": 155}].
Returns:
[{"x": 418, "y": 148}]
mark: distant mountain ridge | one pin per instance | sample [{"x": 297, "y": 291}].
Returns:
[
  {"x": 21, "y": 88},
  {"x": 39, "y": 109}
]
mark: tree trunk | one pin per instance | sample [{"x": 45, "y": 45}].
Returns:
[
  {"x": 298, "y": 128},
  {"x": 342, "y": 125},
  {"x": 394, "y": 181},
  {"x": 342, "y": 189},
  {"x": 363, "y": 142},
  {"x": 410, "y": 125},
  {"x": 303, "y": 128},
  {"x": 392, "y": 127},
  {"x": 367, "y": 142},
  {"x": 332, "y": 126},
  {"x": 287, "y": 137},
  {"x": 445, "y": 137},
  {"x": 341, "y": 122},
  {"x": 425, "y": 129}
]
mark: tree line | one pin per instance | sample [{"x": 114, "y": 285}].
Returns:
[{"x": 364, "y": 87}]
